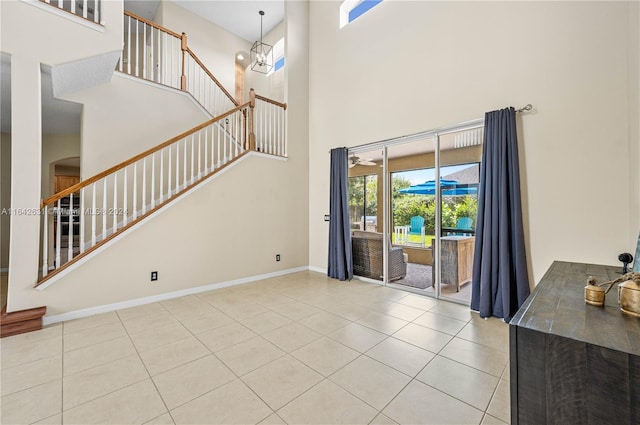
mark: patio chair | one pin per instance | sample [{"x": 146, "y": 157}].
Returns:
[
  {"x": 416, "y": 227},
  {"x": 465, "y": 223}
]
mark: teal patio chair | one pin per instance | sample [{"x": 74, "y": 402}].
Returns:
[
  {"x": 416, "y": 227},
  {"x": 464, "y": 223}
]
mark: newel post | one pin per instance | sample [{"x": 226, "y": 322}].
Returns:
[
  {"x": 183, "y": 47},
  {"x": 252, "y": 105}
]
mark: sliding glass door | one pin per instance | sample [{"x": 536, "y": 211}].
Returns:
[{"x": 413, "y": 208}]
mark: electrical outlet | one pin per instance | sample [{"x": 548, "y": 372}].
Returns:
[
  {"x": 154, "y": 276},
  {"x": 277, "y": 257}
]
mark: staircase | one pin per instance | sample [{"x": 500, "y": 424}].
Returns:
[{"x": 79, "y": 220}]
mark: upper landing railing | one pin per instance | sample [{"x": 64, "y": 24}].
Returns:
[
  {"x": 158, "y": 54},
  {"x": 88, "y": 9}
]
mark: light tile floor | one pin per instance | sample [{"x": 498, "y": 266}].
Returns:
[{"x": 300, "y": 348}]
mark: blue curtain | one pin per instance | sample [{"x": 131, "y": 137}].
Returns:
[
  {"x": 340, "y": 259},
  {"x": 500, "y": 279}
]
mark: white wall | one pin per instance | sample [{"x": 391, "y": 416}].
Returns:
[
  {"x": 634, "y": 117},
  {"x": 53, "y": 38},
  {"x": 214, "y": 46},
  {"x": 232, "y": 227},
  {"x": 125, "y": 117},
  {"x": 406, "y": 67}
]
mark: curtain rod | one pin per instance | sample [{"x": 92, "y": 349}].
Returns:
[{"x": 467, "y": 125}]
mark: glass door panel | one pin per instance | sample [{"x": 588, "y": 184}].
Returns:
[
  {"x": 365, "y": 194},
  {"x": 460, "y": 156},
  {"x": 411, "y": 215}
]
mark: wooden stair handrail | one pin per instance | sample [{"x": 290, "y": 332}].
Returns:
[
  {"x": 76, "y": 187},
  {"x": 215, "y": 80},
  {"x": 275, "y": 102},
  {"x": 153, "y": 24},
  {"x": 137, "y": 220}
]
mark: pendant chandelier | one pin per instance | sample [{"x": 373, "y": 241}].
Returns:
[{"x": 261, "y": 54}]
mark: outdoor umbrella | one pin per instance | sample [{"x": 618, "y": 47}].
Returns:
[
  {"x": 448, "y": 187},
  {"x": 429, "y": 187}
]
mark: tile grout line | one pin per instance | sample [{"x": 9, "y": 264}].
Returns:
[{"x": 146, "y": 369}]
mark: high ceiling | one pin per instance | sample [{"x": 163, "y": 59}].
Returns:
[{"x": 239, "y": 17}]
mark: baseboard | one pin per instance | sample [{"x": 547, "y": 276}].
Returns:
[
  {"x": 47, "y": 320},
  {"x": 318, "y": 269},
  {"x": 18, "y": 322}
]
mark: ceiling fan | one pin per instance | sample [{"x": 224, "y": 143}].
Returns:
[{"x": 354, "y": 160}]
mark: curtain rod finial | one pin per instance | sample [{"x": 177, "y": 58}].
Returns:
[{"x": 525, "y": 108}]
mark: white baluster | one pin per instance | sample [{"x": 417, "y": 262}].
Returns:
[
  {"x": 134, "y": 199},
  {"x": 137, "y": 48},
  {"x": 224, "y": 147},
  {"x": 144, "y": 50},
  {"x": 202, "y": 88},
  {"x": 276, "y": 141},
  {"x": 115, "y": 202},
  {"x": 45, "y": 240},
  {"x": 263, "y": 124},
  {"x": 85, "y": 8},
  {"x": 218, "y": 162},
  {"x": 125, "y": 190},
  {"x": 153, "y": 180},
  {"x": 169, "y": 174},
  {"x": 128, "y": 44},
  {"x": 144, "y": 185},
  {"x": 58, "y": 233},
  {"x": 278, "y": 135},
  {"x": 60, "y": 4},
  {"x": 164, "y": 58},
  {"x": 199, "y": 154},
  {"x": 284, "y": 131},
  {"x": 70, "y": 230},
  {"x": 96, "y": 11},
  {"x": 206, "y": 150},
  {"x": 93, "y": 216},
  {"x": 151, "y": 51},
  {"x": 82, "y": 221},
  {"x": 235, "y": 124},
  {"x": 193, "y": 150},
  {"x": 177, "y": 166},
  {"x": 104, "y": 208},
  {"x": 184, "y": 165},
  {"x": 161, "y": 191},
  {"x": 73, "y": 6}
]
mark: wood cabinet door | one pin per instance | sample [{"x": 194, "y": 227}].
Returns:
[{"x": 63, "y": 182}]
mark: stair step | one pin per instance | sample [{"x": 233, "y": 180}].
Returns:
[{"x": 21, "y": 321}]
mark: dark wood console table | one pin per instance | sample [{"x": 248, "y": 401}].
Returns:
[{"x": 572, "y": 363}]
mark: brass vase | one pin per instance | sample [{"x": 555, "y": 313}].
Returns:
[
  {"x": 594, "y": 295},
  {"x": 629, "y": 297}
]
